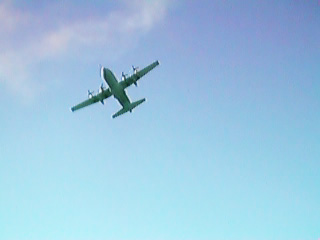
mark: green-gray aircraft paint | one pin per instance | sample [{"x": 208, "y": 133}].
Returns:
[{"x": 117, "y": 89}]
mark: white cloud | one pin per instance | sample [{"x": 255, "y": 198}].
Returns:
[
  {"x": 10, "y": 18},
  {"x": 27, "y": 41}
]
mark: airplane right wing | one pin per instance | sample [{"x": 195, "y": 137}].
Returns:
[
  {"x": 95, "y": 98},
  {"x": 138, "y": 74}
]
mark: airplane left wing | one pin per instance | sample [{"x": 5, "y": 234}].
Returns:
[
  {"x": 138, "y": 74},
  {"x": 95, "y": 98}
]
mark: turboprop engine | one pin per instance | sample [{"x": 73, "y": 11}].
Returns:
[
  {"x": 101, "y": 90},
  {"x": 135, "y": 71}
]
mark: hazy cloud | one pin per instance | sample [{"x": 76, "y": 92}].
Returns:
[{"x": 27, "y": 39}]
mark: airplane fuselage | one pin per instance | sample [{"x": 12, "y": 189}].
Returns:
[{"x": 116, "y": 89}]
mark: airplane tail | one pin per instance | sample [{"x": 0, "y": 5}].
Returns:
[{"x": 128, "y": 108}]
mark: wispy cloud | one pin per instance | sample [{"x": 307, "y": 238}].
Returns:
[{"x": 26, "y": 41}]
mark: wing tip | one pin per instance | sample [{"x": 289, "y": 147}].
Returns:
[{"x": 72, "y": 109}]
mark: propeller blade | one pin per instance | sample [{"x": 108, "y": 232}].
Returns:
[
  {"x": 90, "y": 93},
  {"x": 124, "y": 76},
  {"x": 101, "y": 88},
  {"x": 135, "y": 69}
]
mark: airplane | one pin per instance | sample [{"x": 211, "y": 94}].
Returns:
[{"x": 117, "y": 89}]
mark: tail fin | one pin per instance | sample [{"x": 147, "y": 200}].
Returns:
[
  {"x": 128, "y": 108},
  {"x": 135, "y": 104}
]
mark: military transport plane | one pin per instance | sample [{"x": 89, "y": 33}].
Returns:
[{"x": 117, "y": 89}]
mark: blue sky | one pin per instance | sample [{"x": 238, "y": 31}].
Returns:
[{"x": 226, "y": 147}]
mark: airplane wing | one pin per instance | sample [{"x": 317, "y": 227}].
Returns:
[
  {"x": 95, "y": 98},
  {"x": 138, "y": 74}
]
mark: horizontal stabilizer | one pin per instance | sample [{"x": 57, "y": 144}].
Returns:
[{"x": 128, "y": 108}]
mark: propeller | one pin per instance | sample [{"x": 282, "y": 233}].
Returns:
[
  {"x": 124, "y": 76},
  {"x": 90, "y": 94},
  {"x": 135, "y": 69},
  {"x": 101, "y": 89}
]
